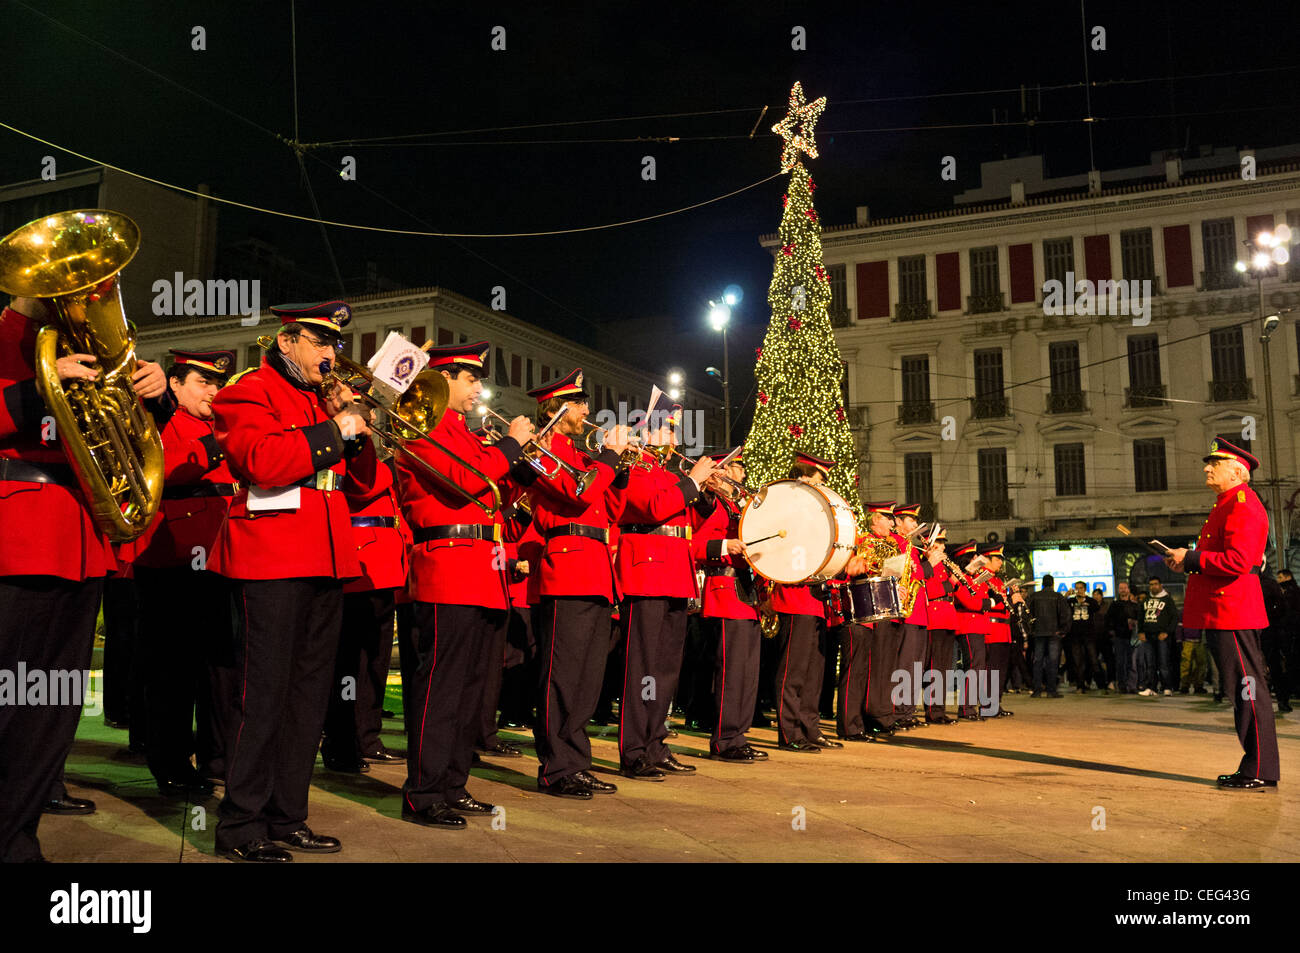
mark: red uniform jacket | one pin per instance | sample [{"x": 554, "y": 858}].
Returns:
[
  {"x": 940, "y": 591},
  {"x": 972, "y": 609},
  {"x": 191, "y": 456},
  {"x": 1223, "y": 591},
  {"x": 384, "y": 552},
  {"x": 796, "y": 600},
  {"x": 465, "y": 572},
  {"x": 921, "y": 571},
  {"x": 45, "y": 529},
  {"x": 523, "y": 543},
  {"x": 708, "y": 546},
  {"x": 576, "y": 565},
  {"x": 999, "y": 613},
  {"x": 274, "y": 434},
  {"x": 650, "y": 565}
]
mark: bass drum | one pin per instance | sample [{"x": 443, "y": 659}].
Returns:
[{"x": 797, "y": 532}]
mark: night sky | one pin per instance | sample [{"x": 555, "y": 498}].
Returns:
[{"x": 366, "y": 71}]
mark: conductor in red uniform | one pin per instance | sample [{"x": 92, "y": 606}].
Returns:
[
  {"x": 460, "y": 586},
  {"x": 287, "y": 546},
  {"x": 1224, "y": 597}
]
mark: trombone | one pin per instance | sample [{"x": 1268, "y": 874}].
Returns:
[
  {"x": 426, "y": 398},
  {"x": 533, "y": 452}
]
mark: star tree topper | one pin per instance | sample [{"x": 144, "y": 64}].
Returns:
[{"x": 804, "y": 115}]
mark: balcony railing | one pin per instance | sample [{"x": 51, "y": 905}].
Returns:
[
  {"x": 1145, "y": 395},
  {"x": 986, "y": 303},
  {"x": 1220, "y": 280},
  {"x": 993, "y": 509},
  {"x": 1067, "y": 403},
  {"x": 840, "y": 317},
  {"x": 916, "y": 412},
  {"x": 1231, "y": 390},
  {"x": 912, "y": 310},
  {"x": 989, "y": 407}
]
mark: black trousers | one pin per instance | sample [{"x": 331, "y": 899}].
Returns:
[
  {"x": 485, "y": 733},
  {"x": 799, "y": 675},
  {"x": 998, "y": 655},
  {"x": 47, "y": 625},
  {"x": 187, "y": 648},
  {"x": 1086, "y": 662},
  {"x": 407, "y": 659},
  {"x": 454, "y": 644},
  {"x": 356, "y": 708},
  {"x": 882, "y": 660},
  {"x": 1245, "y": 680},
  {"x": 735, "y": 690},
  {"x": 654, "y": 636},
  {"x": 938, "y": 662},
  {"x": 286, "y": 640},
  {"x": 519, "y": 677},
  {"x": 574, "y": 641},
  {"x": 1273, "y": 642},
  {"x": 911, "y": 659},
  {"x": 695, "y": 697},
  {"x": 855, "y": 647},
  {"x": 976, "y": 667},
  {"x": 124, "y": 663}
]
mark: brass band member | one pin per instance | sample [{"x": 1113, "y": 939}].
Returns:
[
  {"x": 941, "y": 591},
  {"x": 882, "y": 655}
]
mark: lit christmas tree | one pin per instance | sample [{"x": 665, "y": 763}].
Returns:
[{"x": 800, "y": 405}]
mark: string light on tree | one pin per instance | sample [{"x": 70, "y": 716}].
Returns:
[{"x": 798, "y": 370}]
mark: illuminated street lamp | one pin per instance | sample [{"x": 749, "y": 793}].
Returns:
[
  {"x": 719, "y": 318},
  {"x": 676, "y": 383}
]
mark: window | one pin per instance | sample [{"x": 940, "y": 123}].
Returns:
[
  {"x": 1236, "y": 440},
  {"x": 1149, "y": 465},
  {"x": 1136, "y": 255},
  {"x": 1293, "y": 266},
  {"x": 984, "y": 270},
  {"x": 546, "y": 374},
  {"x": 529, "y": 369},
  {"x": 839, "y": 288},
  {"x": 501, "y": 375},
  {"x": 516, "y": 370},
  {"x": 916, "y": 408},
  {"x": 1070, "y": 479},
  {"x": 911, "y": 279},
  {"x": 253, "y": 356},
  {"x": 1145, "y": 388},
  {"x": 1058, "y": 260},
  {"x": 988, "y": 373},
  {"x": 1063, "y": 364},
  {"x": 918, "y": 476},
  {"x": 1228, "y": 365},
  {"x": 992, "y": 475},
  {"x": 445, "y": 337},
  {"x": 1219, "y": 244}
]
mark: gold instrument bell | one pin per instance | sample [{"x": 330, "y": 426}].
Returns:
[{"x": 72, "y": 261}]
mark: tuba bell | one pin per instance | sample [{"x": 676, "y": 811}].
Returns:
[{"x": 72, "y": 261}]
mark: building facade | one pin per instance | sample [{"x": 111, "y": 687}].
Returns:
[{"x": 1028, "y": 416}]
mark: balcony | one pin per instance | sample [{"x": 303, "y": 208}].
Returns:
[
  {"x": 989, "y": 407},
  {"x": 1220, "y": 280},
  {"x": 916, "y": 412},
  {"x": 912, "y": 310},
  {"x": 993, "y": 509},
  {"x": 1231, "y": 390},
  {"x": 1067, "y": 403},
  {"x": 986, "y": 303},
  {"x": 840, "y": 317},
  {"x": 1145, "y": 395}
]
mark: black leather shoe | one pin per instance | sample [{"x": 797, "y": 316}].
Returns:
[
  {"x": 440, "y": 815},
  {"x": 503, "y": 748},
  {"x": 194, "y": 786},
  {"x": 670, "y": 765},
  {"x": 859, "y": 736},
  {"x": 309, "y": 843},
  {"x": 903, "y": 725},
  {"x": 467, "y": 805},
  {"x": 259, "y": 851},
  {"x": 1242, "y": 782},
  {"x": 382, "y": 755},
  {"x": 822, "y": 741},
  {"x": 737, "y": 755},
  {"x": 68, "y": 805},
  {"x": 803, "y": 747},
  {"x": 1004, "y": 713},
  {"x": 389, "y": 714},
  {"x": 1054, "y": 695},
  {"x": 973, "y": 717},
  {"x": 880, "y": 733},
  {"x": 758, "y": 754},
  {"x": 567, "y": 787},
  {"x": 943, "y": 720},
  {"x": 642, "y": 770},
  {"x": 345, "y": 765},
  {"x": 594, "y": 784}
]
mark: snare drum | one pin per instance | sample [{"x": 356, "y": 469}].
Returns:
[
  {"x": 873, "y": 599},
  {"x": 797, "y": 532}
]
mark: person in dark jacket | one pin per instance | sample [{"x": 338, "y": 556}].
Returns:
[
  {"x": 1083, "y": 639},
  {"x": 1155, "y": 635},
  {"x": 1274, "y": 640},
  {"x": 1050, "y": 617},
  {"x": 1121, "y": 623}
]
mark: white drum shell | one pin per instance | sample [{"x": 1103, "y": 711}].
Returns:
[{"x": 819, "y": 528}]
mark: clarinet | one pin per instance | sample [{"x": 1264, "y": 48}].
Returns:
[{"x": 958, "y": 574}]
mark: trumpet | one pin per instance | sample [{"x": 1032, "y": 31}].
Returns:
[
  {"x": 418, "y": 411},
  {"x": 631, "y": 457},
  {"x": 535, "y": 451},
  {"x": 742, "y": 491}
]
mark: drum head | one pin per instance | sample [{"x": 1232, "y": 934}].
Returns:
[{"x": 789, "y": 530}]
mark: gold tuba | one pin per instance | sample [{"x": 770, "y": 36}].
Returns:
[
  {"x": 876, "y": 550},
  {"x": 72, "y": 260}
]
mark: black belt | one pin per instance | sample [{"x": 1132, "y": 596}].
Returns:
[
  {"x": 490, "y": 532},
  {"x": 374, "y": 522},
  {"x": 720, "y": 571},
  {"x": 599, "y": 533},
  {"x": 648, "y": 529},
  {"x": 198, "y": 489},
  {"x": 21, "y": 471},
  {"x": 320, "y": 480}
]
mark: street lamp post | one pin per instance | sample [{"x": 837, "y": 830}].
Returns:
[
  {"x": 720, "y": 317},
  {"x": 1267, "y": 250}
]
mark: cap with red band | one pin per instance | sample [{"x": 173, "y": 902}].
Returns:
[
  {"x": 885, "y": 507},
  {"x": 964, "y": 550},
  {"x": 214, "y": 362},
  {"x": 817, "y": 462},
  {"x": 473, "y": 354},
  {"x": 909, "y": 509},
  {"x": 1221, "y": 449},
  {"x": 569, "y": 387},
  {"x": 991, "y": 550},
  {"x": 331, "y": 316}
]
